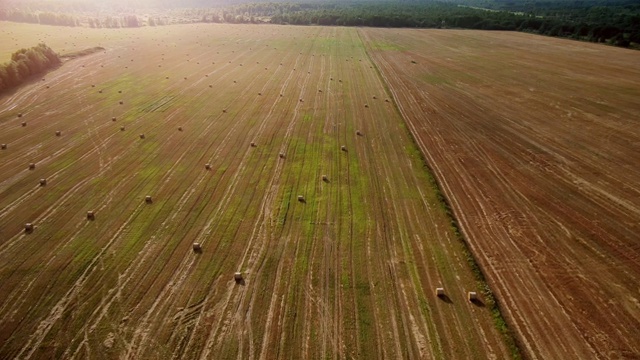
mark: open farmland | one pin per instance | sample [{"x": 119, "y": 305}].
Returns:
[
  {"x": 536, "y": 144},
  {"x": 351, "y": 271}
]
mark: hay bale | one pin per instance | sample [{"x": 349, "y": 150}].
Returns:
[
  {"x": 24, "y": 124},
  {"x": 366, "y": 105},
  {"x": 207, "y": 166},
  {"x": 119, "y": 91},
  {"x": 259, "y": 94},
  {"x": 439, "y": 292},
  {"x": 343, "y": 148},
  {"x": 148, "y": 199},
  {"x": 121, "y": 102},
  {"x": 43, "y": 182},
  {"x": 91, "y": 215},
  {"x": 19, "y": 115},
  {"x": 141, "y": 136},
  {"x": 325, "y": 178},
  {"x": 121, "y": 128},
  {"x": 179, "y": 128},
  {"x": 281, "y": 155},
  {"x": 3, "y": 146},
  {"x": 28, "y": 228},
  {"x": 358, "y": 132},
  {"x": 32, "y": 166},
  {"x": 197, "y": 247},
  {"x": 237, "y": 277},
  {"x": 58, "y": 133},
  {"x": 472, "y": 296},
  {"x": 300, "y": 198},
  {"x": 253, "y": 144},
  {"x": 113, "y": 118},
  {"x": 374, "y": 97},
  {"x": 100, "y": 91}
]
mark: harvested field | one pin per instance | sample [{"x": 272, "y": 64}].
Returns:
[
  {"x": 535, "y": 141},
  {"x": 348, "y": 273}
]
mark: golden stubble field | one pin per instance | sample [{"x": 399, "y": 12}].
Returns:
[{"x": 348, "y": 272}]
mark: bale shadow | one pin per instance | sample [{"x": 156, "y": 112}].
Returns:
[
  {"x": 240, "y": 282},
  {"x": 477, "y": 302},
  {"x": 445, "y": 298}
]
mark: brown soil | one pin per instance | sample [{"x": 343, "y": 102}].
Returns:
[{"x": 535, "y": 142}]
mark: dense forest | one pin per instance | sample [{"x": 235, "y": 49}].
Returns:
[
  {"x": 26, "y": 63},
  {"x": 615, "y": 22}
]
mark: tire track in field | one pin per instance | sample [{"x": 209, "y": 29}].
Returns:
[
  {"x": 181, "y": 273},
  {"x": 266, "y": 200},
  {"x": 262, "y": 220},
  {"x": 259, "y": 254},
  {"x": 241, "y": 169}
]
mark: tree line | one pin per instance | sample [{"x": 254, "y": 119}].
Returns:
[
  {"x": 615, "y": 22},
  {"x": 26, "y": 63}
]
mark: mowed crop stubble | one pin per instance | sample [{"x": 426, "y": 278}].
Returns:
[{"x": 207, "y": 134}]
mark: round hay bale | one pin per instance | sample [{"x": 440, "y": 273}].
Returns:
[
  {"x": 281, "y": 155},
  {"x": 99, "y": 91},
  {"x": 113, "y": 119},
  {"x": 91, "y": 215},
  {"x": 207, "y": 166},
  {"x": 58, "y": 133},
  {"x": 3, "y": 146},
  {"x": 121, "y": 102},
  {"x": 253, "y": 144},
  {"x": 179, "y": 128},
  {"x": 141, "y": 136},
  {"x": 343, "y": 148},
  {"x": 237, "y": 277},
  {"x": 358, "y": 132},
  {"x": 121, "y": 128},
  {"x": 148, "y": 199},
  {"x": 43, "y": 182},
  {"x": 28, "y": 228},
  {"x": 32, "y": 166},
  {"x": 325, "y": 178},
  {"x": 24, "y": 124}
]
